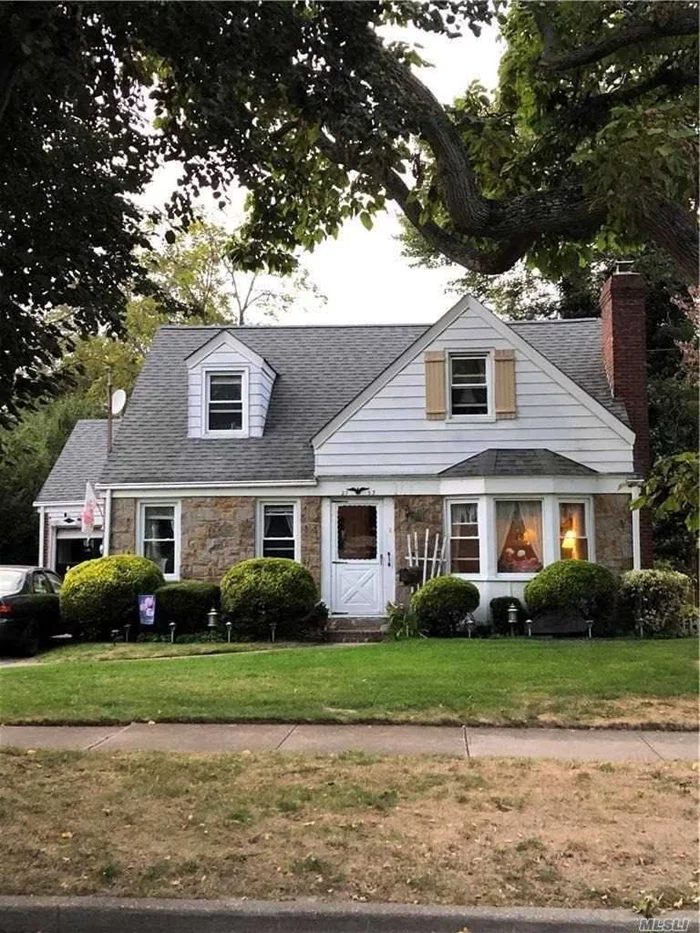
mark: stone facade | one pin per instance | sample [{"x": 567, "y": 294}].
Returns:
[
  {"x": 310, "y": 520},
  {"x": 216, "y": 533},
  {"x": 123, "y": 527},
  {"x": 414, "y": 514},
  {"x": 613, "y": 531}
]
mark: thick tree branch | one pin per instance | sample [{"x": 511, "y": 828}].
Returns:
[
  {"x": 489, "y": 263},
  {"x": 674, "y": 230},
  {"x": 664, "y": 19}
]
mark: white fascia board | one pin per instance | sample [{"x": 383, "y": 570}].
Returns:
[
  {"x": 573, "y": 388},
  {"x": 392, "y": 370},
  {"x": 225, "y": 338},
  {"x": 61, "y": 504},
  {"x": 340, "y": 487}
]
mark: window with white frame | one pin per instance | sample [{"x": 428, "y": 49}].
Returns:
[
  {"x": 278, "y": 536},
  {"x": 573, "y": 536},
  {"x": 469, "y": 384},
  {"x": 519, "y": 543},
  {"x": 224, "y": 402},
  {"x": 464, "y": 537},
  {"x": 158, "y": 536}
]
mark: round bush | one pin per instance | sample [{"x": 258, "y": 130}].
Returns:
[
  {"x": 662, "y": 600},
  {"x": 265, "y": 590},
  {"x": 187, "y": 604},
  {"x": 102, "y": 594},
  {"x": 441, "y": 605},
  {"x": 575, "y": 585}
]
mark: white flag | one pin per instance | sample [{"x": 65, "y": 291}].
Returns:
[{"x": 87, "y": 516}]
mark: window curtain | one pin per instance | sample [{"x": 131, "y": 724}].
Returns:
[
  {"x": 531, "y": 513},
  {"x": 505, "y": 516}
]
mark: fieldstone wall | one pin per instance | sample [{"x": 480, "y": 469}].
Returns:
[
  {"x": 414, "y": 514},
  {"x": 217, "y": 532},
  {"x": 613, "y": 531},
  {"x": 123, "y": 527},
  {"x": 310, "y": 521}
]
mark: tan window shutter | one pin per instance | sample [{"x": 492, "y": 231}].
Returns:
[
  {"x": 505, "y": 383},
  {"x": 435, "y": 385}
]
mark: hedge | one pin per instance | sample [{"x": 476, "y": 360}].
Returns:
[
  {"x": 575, "y": 585},
  {"x": 265, "y": 590},
  {"x": 187, "y": 604},
  {"x": 100, "y": 595},
  {"x": 441, "y": 605},
  {"x": 662, "y": 600}
]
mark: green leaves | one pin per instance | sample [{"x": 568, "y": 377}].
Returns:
[{"x": 672, "y": 488}]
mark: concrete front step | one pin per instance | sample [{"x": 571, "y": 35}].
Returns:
[{"x": 348, "y": 629}]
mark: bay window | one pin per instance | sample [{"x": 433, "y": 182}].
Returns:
[
  {"x": 573, "y": 538},
  {"x": 519, "y": 535},
  {"x": 464, "y": 537}
]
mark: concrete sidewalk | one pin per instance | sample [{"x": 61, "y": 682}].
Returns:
[
  {"x": 453, "y": 741},
  {"x": 156, "y": 915}
]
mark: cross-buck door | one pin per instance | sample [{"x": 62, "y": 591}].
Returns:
[{"x": 357, "y": 576}]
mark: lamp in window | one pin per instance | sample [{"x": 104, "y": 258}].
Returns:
[{"x": 568, "y": 542}]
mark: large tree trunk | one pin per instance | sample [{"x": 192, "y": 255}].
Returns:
[{"x": 671, "y": 228}]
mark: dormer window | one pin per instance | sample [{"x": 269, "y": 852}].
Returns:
[{"x": 225, "y": 395}]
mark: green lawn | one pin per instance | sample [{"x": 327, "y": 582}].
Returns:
[{"x": 568, "y": 682}]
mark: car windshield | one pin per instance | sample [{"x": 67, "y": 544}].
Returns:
[{"x": 10, "y": 582}]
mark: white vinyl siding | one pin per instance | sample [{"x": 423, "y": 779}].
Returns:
[{"x": 390, "y": 434}]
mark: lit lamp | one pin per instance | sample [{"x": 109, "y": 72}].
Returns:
[{"x": 569, "y": 542}]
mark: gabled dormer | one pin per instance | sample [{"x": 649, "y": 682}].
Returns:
[{"x": 229, "y": 389}]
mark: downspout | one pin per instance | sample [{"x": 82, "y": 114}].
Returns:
[
  {"x": 107, "y": 524},
  {"x": 42, "y": 532},
  {"x": 636, "y": 541}
]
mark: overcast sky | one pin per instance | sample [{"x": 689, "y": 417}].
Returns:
[{"x": 362, "y": 273}]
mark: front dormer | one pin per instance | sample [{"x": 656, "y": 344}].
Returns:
[{"x": 229, "y": 389}]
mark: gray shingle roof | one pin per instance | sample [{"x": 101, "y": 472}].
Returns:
[
  {"x": 82, "y": 459},
  {"x": 497, "y": 462},
  {"x": 574, "y": 348},
  {"x": 320, "y": 370}
]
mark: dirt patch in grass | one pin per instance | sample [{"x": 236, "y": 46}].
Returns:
[
  {"x": 134, "y": 651},
  {"x": 499, "y": 832}
]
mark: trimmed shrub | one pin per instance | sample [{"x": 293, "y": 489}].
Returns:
[
  {"x": 575, "y": 585},
  {"x": 102, "y": 594},
  {"x": 187, "y": 604},
  {"x": 265, "y": 590},
  {"x": 441, "y": 605},
  {"x": 499, "y": 607},
  {"x": 662, "y": 600}
]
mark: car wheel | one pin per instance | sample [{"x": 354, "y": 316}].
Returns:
[{"x": 30, "y": 641}]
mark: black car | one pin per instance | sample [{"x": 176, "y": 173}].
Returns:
[{"x": 29, "y": 608}]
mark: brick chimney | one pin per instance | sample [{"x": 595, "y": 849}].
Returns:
[{"x": 623, "y": 334}]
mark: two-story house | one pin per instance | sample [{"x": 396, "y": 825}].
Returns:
[{"x": 519, "y": 443}]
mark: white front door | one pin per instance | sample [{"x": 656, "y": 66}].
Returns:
[{"x": 358, "y": 561}]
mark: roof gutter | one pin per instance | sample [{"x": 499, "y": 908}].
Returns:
[{"x": 276, "y": 483}]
